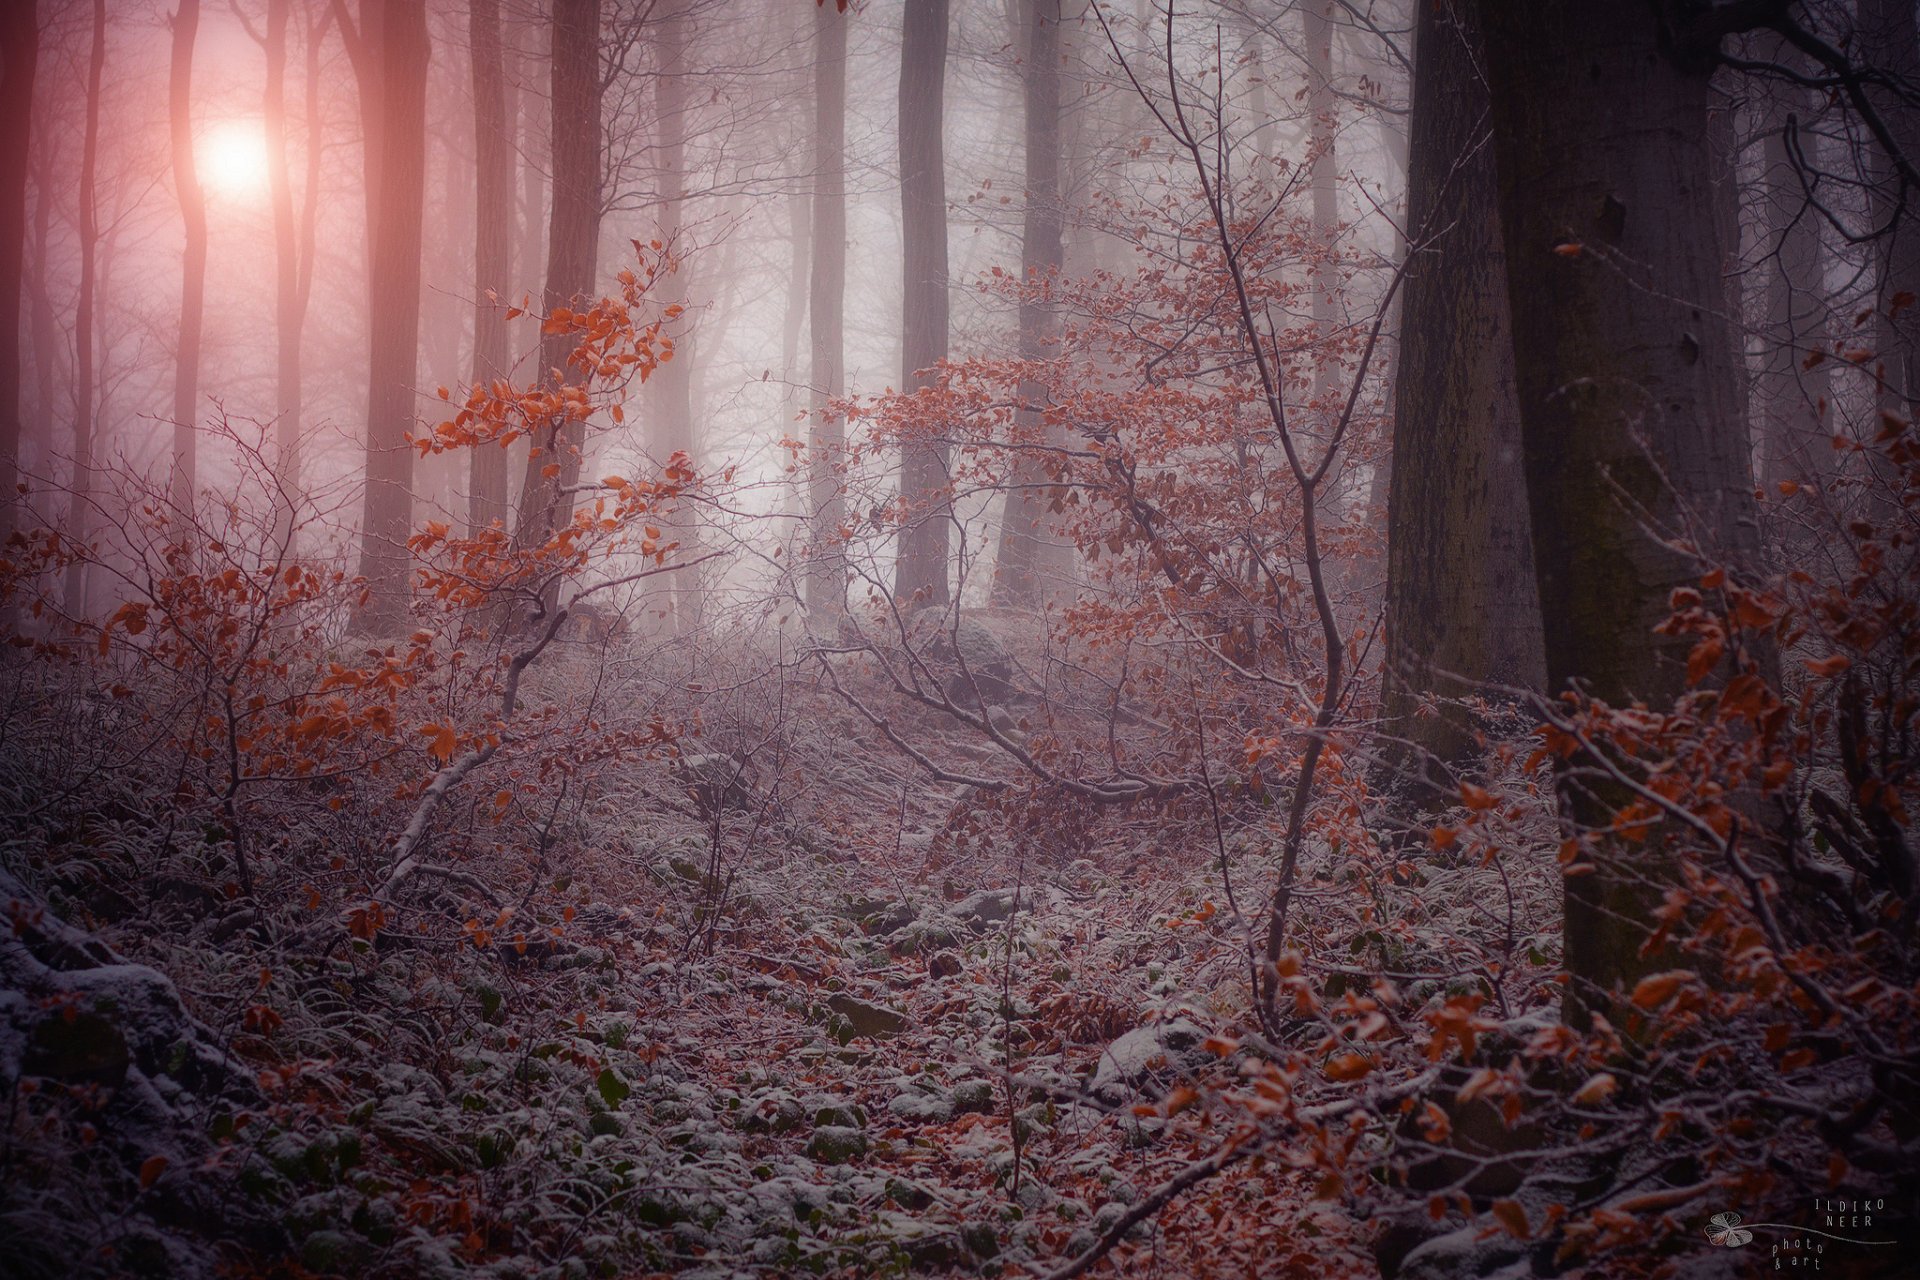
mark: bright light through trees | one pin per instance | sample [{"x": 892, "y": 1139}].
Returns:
[{"x": 232, "y": 159}]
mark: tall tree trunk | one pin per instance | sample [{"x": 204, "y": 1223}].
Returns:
[
  {"x": 1316, "y": 32},
  {"x": 673, "y": 381},
  {"x": 19, "y": 50},
  {"x": 75, "y": 592},
  {"x": 573, "y": 245},
  {"x": 826, "y": 306},
  {"x": 399, "y": 53},
  {"x": 1025, "y": 549},
  {"x": 492, "y": 248},
  {"x": 1461, "y": 605},
  {"x": 293, "y": 237},
  {"x": 1795, "y": 402},
  {"x": 1627, "y": 383},
  {"x": 50, "y": 357},
  {"x": 193, "y": 283},
  {"x": 1888, "y": 37},
  {"x": 921, "y": 571},
  {"x": 799, "y": 230}
]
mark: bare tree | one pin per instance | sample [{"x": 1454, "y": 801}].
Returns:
[
  {"x": 827, "y": 293},
  {"x": 294, "y": 240},
  {"x": 493, "y": 147},
  {"x": 75, "y": 596},
  {"x": 1024, "y": 548},
  {"x": 19, "y": 51},
  {"x": 921, "y": 572},
  {"x": 394, "y": 74},
  {"x": 573, "y": 237},
  {"x": 193, "y": 262}
]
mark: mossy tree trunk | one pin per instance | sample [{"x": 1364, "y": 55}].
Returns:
[
  {"x": 1627, "y": 374},
  {"x": 1462, "y": 611}
]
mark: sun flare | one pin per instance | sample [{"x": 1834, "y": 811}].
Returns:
[{"x": 233, "y": 160}]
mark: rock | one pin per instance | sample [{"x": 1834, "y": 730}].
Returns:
[
  {"x": 871, "y": 1020},
  {"x": 837, "y": 1144},
  {"x": 921, "y": 1107},
  {"x": 972, "y": 1097},
  {"x": 844, "y": 1115},
  {"x": 1147, "y": 1060},
  {"x": 78, "y": 1048},
  {"x": 944, "y": 964},
  {"x": 989, "y": 907},
  {"x": 773, "y": 1113}
]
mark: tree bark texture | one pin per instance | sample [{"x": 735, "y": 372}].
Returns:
[
  {"x": 19, "y": 52},
  {"x": 193, "y": 261},
  {"x": 1027, "y": 554},
  {"x": 399, "y": 54},
  {"x": 1887, "y": 38},
  {"x": 75, "y": 587},
  {"x": 921, "y": 572},
  {"x": 1627, "y": 376},
  {"x": 493, "y": 140},
  {"x": 1461, "y": 605},
  {"x": 826, "y": 309},
  {"x": 573, "y": 248},
  {"x": 673, "y": 381}
]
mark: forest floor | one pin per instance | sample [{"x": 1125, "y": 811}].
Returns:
[{"x": 849, "y": 1031}]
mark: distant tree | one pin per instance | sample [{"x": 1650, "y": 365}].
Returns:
[
  {"x": 1887, "y": 34},
  {"x": 75, "y": 588},
  {"x": 493, "y": 148},
  {"x": 921, "y": 570},
  {"x": 393, "y": 64},
  {"x": 1461, "y": 604},
  {"x": 193, "y": 262},
  {"x": 1024, "y": 547},
  {"x": 294, "y": 239},
  {"x": 19, "y": 51},
  {"x": 673, "y": 383},
  {"x": 573, "y": 239},
  {"x": 826, "y": 305},
  {"x": 1627, "y": 375}
]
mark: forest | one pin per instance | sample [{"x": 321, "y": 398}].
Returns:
[{"x": 1023, "y": 638}]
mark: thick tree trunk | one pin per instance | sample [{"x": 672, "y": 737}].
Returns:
[
  {"x": 1461, "y": 606},
  {"x": 1888, "y": 39},
  {"x": 193, "y": 282},
  {"x": 293, "y": 237},
  {"x": 1026, "y": 552},
  {"x": 75, "y": 591},
  {"x": 1316, "y": 32},
  {"x": 19, "y": 51},
  {"x": 1627, "y": 382},
  {"x": 51, "y": 367},
  {"x": 673, "y": 381},
  {"x": 1795, "y": 401},
  {"x": 921, "y": 572},
  {"x": 799, "y": 228},
  {"x": 492, "y": 248},
  {"x": 573, "y": 249},
  {"x": 399, "y": 56},
  {"x": 826, "y": 306}
]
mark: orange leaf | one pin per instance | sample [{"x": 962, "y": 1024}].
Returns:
[
  {"x": 1348, "y": 1066},
  {"x": 444, "y": 743},
  {"x": 150, "y": 1170},
  {"x": 1597, "y": 1089},
  {"x": 1829, "y": 666},
  {"x": 1513, "y": 1217},
  {"x": 1656, "y": 989}
]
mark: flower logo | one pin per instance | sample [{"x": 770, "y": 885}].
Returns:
[{"x": 1724, "y": 1229}]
